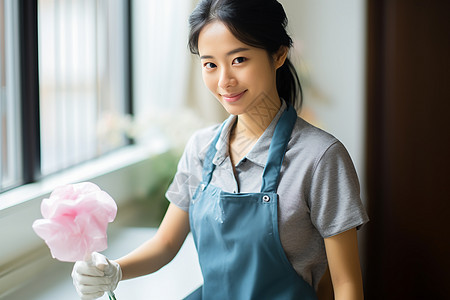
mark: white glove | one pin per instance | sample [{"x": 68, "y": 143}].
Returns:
[{"x": 92, "y": 279}]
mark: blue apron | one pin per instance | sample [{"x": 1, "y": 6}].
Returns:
[{"x": 236, "y": 234}]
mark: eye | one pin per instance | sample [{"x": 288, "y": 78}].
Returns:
[
  {"x": 209, "y": 65},
  {"x": 239, "y": 60}
]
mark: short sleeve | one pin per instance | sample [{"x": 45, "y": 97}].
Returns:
[
  {"x": 334, "y": 197},
  {"x": 187, "y": 177}
]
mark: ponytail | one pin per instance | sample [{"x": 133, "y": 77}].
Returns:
[{"x": 288, "y": 85}]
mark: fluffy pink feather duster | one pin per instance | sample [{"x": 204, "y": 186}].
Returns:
[{"x": 76, "y": 217}]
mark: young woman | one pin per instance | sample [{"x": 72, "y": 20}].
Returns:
[{"x": 271, "y": 201}]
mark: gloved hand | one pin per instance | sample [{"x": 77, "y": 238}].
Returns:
[{"x": 92, "y": 279}]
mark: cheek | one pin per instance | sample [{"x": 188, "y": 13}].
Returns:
[
  {"x": 209, "y": 81},
  {"x": 266, "y": 78}
]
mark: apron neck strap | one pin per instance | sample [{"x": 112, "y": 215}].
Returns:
[
  {"x": 277, "y": 149},
  {"x": 275, "y": 158},
  {"x": 208, "y": 166}
]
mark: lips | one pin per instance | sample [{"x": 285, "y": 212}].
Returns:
[{"x": 232, "y": 97}]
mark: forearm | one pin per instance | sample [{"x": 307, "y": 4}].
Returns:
[
  {"x": 348, "y": 291},
  {"x": 345, "y": 270},
  {"x": 161, "y": 249},
  {"x": 146, "y": 259}
]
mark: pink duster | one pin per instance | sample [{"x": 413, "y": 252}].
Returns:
[{"x": 76, "y": 217}]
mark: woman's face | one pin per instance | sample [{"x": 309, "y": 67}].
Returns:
[{"x": 238, "y": 75}]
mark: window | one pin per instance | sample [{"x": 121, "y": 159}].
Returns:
[
  {"x": 82, "y": 79},
  {"x": 64, "y": 84},
  {"x": 10, "y": 166}
]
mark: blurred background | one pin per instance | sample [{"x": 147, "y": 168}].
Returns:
[{"x": 81, "y": 80}]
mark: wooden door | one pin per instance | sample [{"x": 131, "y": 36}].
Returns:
[{"x": 408, "y": 150}]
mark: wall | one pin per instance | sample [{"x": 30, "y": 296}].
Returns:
[
  {"x": 330, "y": 53},
  {"x": 329, "y": 36}
]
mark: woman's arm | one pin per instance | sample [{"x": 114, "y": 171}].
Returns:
[
  {"x": 161, "y": 249},
  {"x": 343, "y": 261},
  {"x": 325, "y": 288}
]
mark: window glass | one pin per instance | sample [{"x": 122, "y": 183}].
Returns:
[
  {"x": 10, "y": 167},
  {"x": 82, "y": 63}
]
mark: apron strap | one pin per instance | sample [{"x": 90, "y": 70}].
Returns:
[
  {"x": 208, "y": 166},
  {"x": 277, "y": 150}
]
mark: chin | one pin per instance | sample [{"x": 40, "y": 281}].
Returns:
[
  {"x": 234, "y": 109},
  {"x": 237, "y": 108}
]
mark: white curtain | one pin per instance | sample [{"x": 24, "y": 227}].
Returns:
[{"x": 167, "y": 77}]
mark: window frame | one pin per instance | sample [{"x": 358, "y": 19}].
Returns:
[{"x": 29, "y": 75}]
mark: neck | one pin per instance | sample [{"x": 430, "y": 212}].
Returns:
[{"x": 254, "y": 122}]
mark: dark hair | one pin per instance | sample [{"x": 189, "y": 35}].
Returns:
[{"x": 257, "y": 23}]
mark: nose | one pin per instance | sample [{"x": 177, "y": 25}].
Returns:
[{"x": 226, "y": 78}]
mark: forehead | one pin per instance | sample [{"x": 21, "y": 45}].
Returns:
[{"x": 216, "y": 38}]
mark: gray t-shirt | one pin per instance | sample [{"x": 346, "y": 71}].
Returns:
[{"x": 318, "y": 187}]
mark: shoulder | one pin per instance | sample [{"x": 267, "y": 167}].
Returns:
[
  {"x": 311, "y": 146},
  {"x": 200, "y": 140},
  {"x": 307, "y": 137}
]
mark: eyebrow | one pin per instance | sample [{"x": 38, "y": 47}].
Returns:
[{"x": 234, "y": 51}]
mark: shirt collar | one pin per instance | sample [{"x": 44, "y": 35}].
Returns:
[{"x": 260, "y": 151}]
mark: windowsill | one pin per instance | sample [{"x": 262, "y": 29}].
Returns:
[
  {"x": 174, "y": 281},
  {"x": 88, "y": 171},
  {"x": 122, "y": 173}
]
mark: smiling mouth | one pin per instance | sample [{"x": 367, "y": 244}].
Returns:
[{"x": 232, "y": 97}]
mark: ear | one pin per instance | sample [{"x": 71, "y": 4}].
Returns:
[{"x": 280, "y": 56}]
